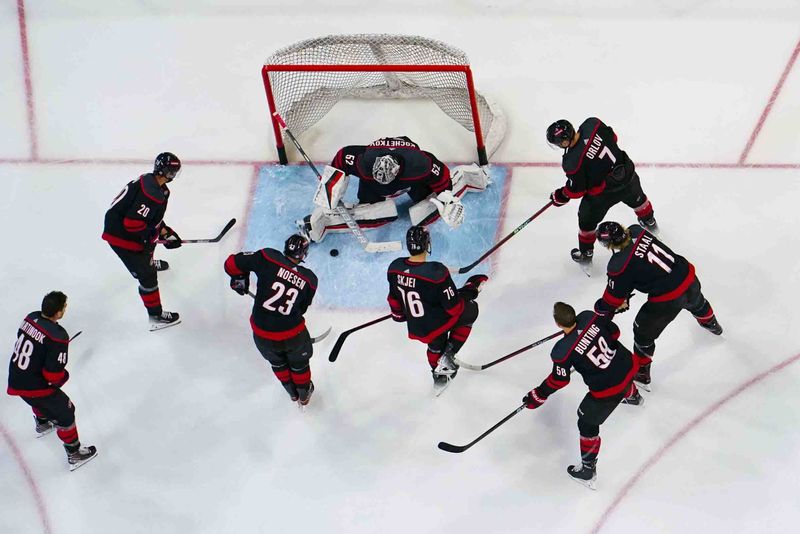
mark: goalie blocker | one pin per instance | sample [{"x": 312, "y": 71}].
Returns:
[{"x": 386, "y": 169}]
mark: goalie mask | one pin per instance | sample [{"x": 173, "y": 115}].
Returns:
[{"x": 385, "y": 169}]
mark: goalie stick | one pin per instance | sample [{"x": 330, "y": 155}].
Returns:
[
  {"x": 343, "y": 336},
  {"x": 449, "y": 447},
  {"x": 316, "y": 339},
  {"x": 473, "y": 367},
  {"x": 369, "y": 246},
  {"x": 212, "y": 240},
  {"x": 500, "y": 243}
]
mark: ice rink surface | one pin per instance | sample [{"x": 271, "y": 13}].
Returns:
[{"x": 194, "y": 432}]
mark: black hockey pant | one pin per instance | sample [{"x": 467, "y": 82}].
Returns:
[
  {"x": 593, "y": 412},
  {"x": 289, "y": 360},
  {"x": 140, "y": 265},
  {"x": 653, "y": 318},
  {"x": 593, "y": 209},
  {"x": 59, "y": 409}
]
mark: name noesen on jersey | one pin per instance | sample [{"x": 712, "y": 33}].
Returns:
[
  {"x": 292, "y": 278},
  {"x": 31, "y": 331},
  {"x": 406, "y": 281}
]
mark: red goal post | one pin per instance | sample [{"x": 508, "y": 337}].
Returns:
[{"x": 305, "y": 80}]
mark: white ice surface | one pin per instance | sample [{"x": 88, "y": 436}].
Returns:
[{"x": 195, "y": 434}]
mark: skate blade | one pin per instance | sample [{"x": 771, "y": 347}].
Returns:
[
  {"x": 438, "y": 389},
  {"x": 42, "y": 434},
  {"x": 157, "y": 326},
  {"x": 645, "y": 387},
  {"x": 73, "y": 467},
  {"x": 586, "y": 268},
  {"x": 588, "y": 483}
]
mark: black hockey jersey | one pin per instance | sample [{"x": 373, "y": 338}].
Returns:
[
  {"x": 416, "y": 166},
  {"x": 646, "y": 265},
  {"x": 40, "y": 355},
  {"x": 423, "y": 295},
  {"x": 134, "y": 217},
  {"x": 595, "y": 164},
  {"x": 284, "y": 293},
  {"x": 593, "y": 349}
]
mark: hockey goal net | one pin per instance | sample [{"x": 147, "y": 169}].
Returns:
[{"x": 305, "y": 80}]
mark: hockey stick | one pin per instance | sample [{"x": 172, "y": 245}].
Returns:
[
  {"x": 212, "y": 240},
  {"x": 340, "y": 341},
  {"x": 76, "y": 335},
  {"x": 500, "y": 243},
  {"x": 313, "y": 339},
  {"x": 369, "y": 246},
  {"x": 473, "y": 367},
  {"x": 449, "y": 447}
]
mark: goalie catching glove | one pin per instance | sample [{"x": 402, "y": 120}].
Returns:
[{"x": 450, "y": 208}]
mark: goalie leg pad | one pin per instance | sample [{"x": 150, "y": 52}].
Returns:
[
  {"x": 367, "y": 216},
  {"x": 469, "y": 178},
  {"x": 331, "y": 188}
]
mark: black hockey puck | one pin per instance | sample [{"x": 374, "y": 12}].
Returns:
[{"x": 334, "y": 252}]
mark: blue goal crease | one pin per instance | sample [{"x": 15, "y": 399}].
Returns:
[{"x": 356, "y": 279}]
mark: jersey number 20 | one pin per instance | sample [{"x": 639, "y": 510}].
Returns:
[{"x": 281, "y": 291}]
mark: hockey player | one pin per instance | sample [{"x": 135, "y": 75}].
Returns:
[
  {"x": 134, "y": 223},
  {"x": 422, "y": 294},
  {"x": 285, "y": 291},
  {"x": 590, "y": 345},
  {"x": 37, "y": 372},
  {"x": 643, "y": 263},
  {"x": 387, "y": 168},
  {"x": 601, "y": 174}
]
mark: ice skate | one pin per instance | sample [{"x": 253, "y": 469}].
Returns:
[
  {"x": 161, "y": 265},
  {"x": 291, "y": 389},
  {"x": 583, "y": 474},
  {"x": 165, "y": 320},
  {"x": 305, "y": 396},
  {"x": 43, "y": 426},
  {"x": 649, "y": 224},
  {"x": 80, "y": 456},
  {"x": 642, "y": 377},
  {"x": 583, "y": 259},
  {"x": 712, "y": 326},
  {"x": 634, "y": 399},
  {"x": 444, "y": 373}
]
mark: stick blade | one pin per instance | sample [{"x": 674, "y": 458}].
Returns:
[
  {"x": 470, "y": 366},
  {"x": 385, "y": 246},
  {"x": 337, "y": 347},
  {"x": 321, "y": 336},
  {"x": 449, "y": 447},
  {"x": 227, "y": 227}
]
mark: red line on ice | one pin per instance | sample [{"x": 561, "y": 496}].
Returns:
[
  {"x": 37, "y": 495},
  {"x": 682, "y": 433},
  {"x": 768, "y": 108},
  {"x": 26, "y": 68}
]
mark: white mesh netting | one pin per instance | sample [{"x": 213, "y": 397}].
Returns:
[{"x": 303, "y": 97}]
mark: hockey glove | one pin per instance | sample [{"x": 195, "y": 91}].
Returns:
[
  {"x": 170, "y": 237},
  {"x": 473, "y": 286},
  {"x": 625, "y": 306},
  {"x": 533, "y": 400},
  {"x": 558, "y": 197},
  {"x": 450, "y": 208},
  {"x": 240, "y": 284}
]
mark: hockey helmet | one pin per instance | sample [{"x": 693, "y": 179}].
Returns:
[
  {"x": 296, "y": 247},
  {"x": 611, "y": 233},
  {"x": 167, "y": 165},
  {"x": 385, "y": 169},
  {"x": 418, "y": 240},
  {"x": 560, "y": 131}
]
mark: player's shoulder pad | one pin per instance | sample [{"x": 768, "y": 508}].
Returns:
[
  {"x": 53, "y": 330},
  {"x": 398, "y": 264},
  {"x": 309, "y": 274},
  {"x": 635, "y": 230},
  {"x": 151, "y": 189},
  {"x": 438, "y": 270},
  {"x": 584, "y": 318},
  {"x": 591, "y": 122}
]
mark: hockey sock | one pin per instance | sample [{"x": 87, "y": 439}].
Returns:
[
  {"x": 282, "y": 373},
  {"x": 39, "y": 415},
  {"x": 458, "y": 336},
  {"x": 433, "y": 357},
  {"x": 644, "y": 210},
  {"x": 590, "y": 448},
  {"x": 643, "y": 352},
  {"x": 69, "y": 435},
  {"x": 301, "y": 377},
  {"x": 151, "y": 299},
  {"x": 704, "y": 313},
  {"x": 586, "y": 240}
]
